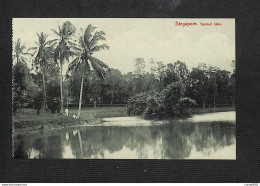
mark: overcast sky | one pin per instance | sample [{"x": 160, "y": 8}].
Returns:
[{"x": 149, "y": 38}]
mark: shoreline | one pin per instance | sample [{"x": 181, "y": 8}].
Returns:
[{"x": 32, "y": 123}]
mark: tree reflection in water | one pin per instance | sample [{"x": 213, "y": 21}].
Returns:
[{"x": 174, "y": 141}]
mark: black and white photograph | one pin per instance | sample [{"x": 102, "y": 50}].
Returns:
[{"x": 124, "y": 88}]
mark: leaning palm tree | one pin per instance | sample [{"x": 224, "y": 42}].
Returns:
[
  {"x": 62, "y": 51},
  {"x": 87, "y": 45},
  {"x": 42, "y": 54},
  {"x": 18, "y": 52}
]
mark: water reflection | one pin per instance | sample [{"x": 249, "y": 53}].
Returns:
[{"x": 174, "y": 141}]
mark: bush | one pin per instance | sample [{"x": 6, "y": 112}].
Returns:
[
  {"x": 154, "y": 108},
  {"x": 185, "y": 106},
  {"x": 171, "y": 96},
  {"x": 137, "y": 104},
  {"x": 54, "y": 105},
  {"x": 167, "y": 103},
  {"x": 38, "y": 102}
]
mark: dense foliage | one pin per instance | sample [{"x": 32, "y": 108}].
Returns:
[
  {"x": 155, "y": 88},
  {"x": 167, "y": 103}
]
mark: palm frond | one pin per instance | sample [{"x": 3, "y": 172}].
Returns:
[
  {"x": 23, "y": 58},
  {"x": 99, "y": 62},
  {"x": 98, "y": 36},
  {"x": 68, "y": 29},
  {"x": 99, "y": 47},
  {"x": 51, "y": 42},
  {"x": 51, "y": 46},
  {"x": 87, "y": 34},
  {"x": 74, "y": 46},
  {"x": 34, "y": 53},
  {"x": 73, "y": 64},
  {"x": 26, "y": 53},
  {"x": 32, "y": 48},
  {"x": 55, "y": 32},
  {"x": 99, "y": 67}
]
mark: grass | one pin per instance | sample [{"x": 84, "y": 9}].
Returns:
[
  {"x": 26, "y": 118},
  {"x": 102, "y": 112}
]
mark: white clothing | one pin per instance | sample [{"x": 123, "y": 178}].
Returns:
[{"x": 66, "y": 112}]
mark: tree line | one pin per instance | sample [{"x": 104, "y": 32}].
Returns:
[{"x": 88, "y": 80}]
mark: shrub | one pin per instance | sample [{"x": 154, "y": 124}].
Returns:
[
  {"x": 185, "y": 106},
  {"x": 38, "y": 102},
  {"x": 154, "y": 108},
  {"x": 167, "y": 103},
  {"x": 137, "y": 104},
  {"x": 171, "y": 96},
  {"x": 54, "y": 105}
]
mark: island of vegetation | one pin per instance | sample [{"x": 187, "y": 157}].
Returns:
[{"x": 42, "y": 92}]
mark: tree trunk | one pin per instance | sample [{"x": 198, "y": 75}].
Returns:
[
  {"x": 112, "y": 98},
  {"x": 61, "y": 93},
  {"x": 203, "y": 104},
  {"x": 214, "y": 102},
  {"x": 80, "y": 96},
  {"x": 44, "y": 90},
  {"x": 67, "y": 96}
]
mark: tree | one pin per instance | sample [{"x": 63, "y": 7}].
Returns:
[
  {"x": 24, "y": 89},
  {"x": 18, "y": 52},
  {"x": 139, "y": 66},
  {"x": 232, "y": 88},
  {"x": 94, "y": 87},
  {"x": 20, "y": 72},
  {"x": 181, "y": 70},
  {"x": 222, "y": 81},
  {"x": 198, "y": 86},
  {"x": 38, "y": 102},
  {"x": 232, "y": 83},
  {"x": 170, "y": 75},
  {"x": 212, "y": 84},
  {"x": 159, "y": 71},
  {"x": 20, "y": 75},
  {"x": 88, "y": 44},
  {"x": 62, "y": 51},
  {"x": 115, "y": 80},
  {"x": 42, "y": 55}
]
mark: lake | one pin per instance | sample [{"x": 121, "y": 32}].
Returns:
[{"x": 206, "y": 136}]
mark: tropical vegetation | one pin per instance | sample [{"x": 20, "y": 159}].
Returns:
[{"x": 166, "y": 89}]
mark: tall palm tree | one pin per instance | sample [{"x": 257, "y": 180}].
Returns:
[
  {"x": 62, "y": 51},
  {"x": 42, "y": 55},
  {"x": 18, "y": 52},
  {"x": 88, "y": 44}
]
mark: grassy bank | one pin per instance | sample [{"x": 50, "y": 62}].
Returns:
[
  {"x": 27, "y": 119},
  {"x": 103, "y": 112},
  {"x": 211, "y": 110}
]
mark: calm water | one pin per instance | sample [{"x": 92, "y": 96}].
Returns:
[{"x": 199, "y": 137}]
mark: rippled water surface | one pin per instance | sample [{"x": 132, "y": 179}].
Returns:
[{"x": 207, "y": 136}]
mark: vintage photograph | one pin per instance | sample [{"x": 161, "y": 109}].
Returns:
[{"x": 124, "y": 88}]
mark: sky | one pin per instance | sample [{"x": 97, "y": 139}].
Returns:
[{"x": 157, "y": 38}]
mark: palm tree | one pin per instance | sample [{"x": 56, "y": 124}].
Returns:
[
  {"x": 88, "y": 44},
  {"x": 42, "y": 55},
  {"x": 19, "y": 52},
  {"x": 62, "y": 51}
]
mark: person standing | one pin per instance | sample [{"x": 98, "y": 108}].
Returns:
[{"x": 66, "y": 111}]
